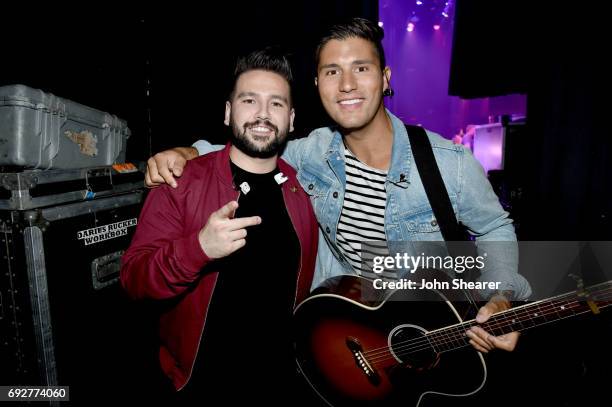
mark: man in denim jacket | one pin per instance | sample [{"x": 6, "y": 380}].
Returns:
[{"x": 367, "y": 158}]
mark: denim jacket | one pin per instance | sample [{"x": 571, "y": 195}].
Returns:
[{"x": 319, "y": 161}]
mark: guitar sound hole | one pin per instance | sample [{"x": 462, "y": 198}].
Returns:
[{"x": 410, "y": 347}]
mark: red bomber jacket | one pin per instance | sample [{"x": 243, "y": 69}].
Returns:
[{"x": 165, "y": 259}]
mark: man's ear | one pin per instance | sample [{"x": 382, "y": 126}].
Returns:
[
  {"x": 387, "y": 75},
  {"x": 291, "y": 118},
  {"x": 228, "y": 112}
]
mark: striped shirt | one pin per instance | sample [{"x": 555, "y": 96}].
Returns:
[{"x": 363, "y": 214}]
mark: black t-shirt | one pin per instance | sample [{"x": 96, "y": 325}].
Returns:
[{"x": 247, "y": 344}]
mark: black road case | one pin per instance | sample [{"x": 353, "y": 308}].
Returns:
[{"x": 64, "y": 319}]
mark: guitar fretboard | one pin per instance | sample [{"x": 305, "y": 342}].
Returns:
[{"x": 526, "y": 316}]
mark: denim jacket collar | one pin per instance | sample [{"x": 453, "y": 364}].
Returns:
[{"x": 401, "y": 154}]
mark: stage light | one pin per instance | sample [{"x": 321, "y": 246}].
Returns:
[
  {"x": 436, "y": 27},
  {"x": 380, "y": 24},
  {"x": 410, "y": 27}
]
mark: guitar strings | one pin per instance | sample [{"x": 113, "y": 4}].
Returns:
[
  {"x": 451, "y": 337},
  {"x": 450, "y": 340},
  {"x": 406, "y": 345},
  {"x": 390, "y": 357},
  {"x": 495, "y": 323},
  {"x": 406, "y": 350}
]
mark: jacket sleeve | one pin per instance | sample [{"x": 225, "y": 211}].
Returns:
[
  {"x": 296, "y": 150},
  {"x": 163, "y": 259},
  {"x": 204, "y": 147}
]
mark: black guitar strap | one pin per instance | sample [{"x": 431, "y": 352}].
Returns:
[
  {"x": 435, "y": 190},
  {"x": 434, "y": 186}
]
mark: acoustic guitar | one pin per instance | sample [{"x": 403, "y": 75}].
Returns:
[{"x": 358, "y": 346}]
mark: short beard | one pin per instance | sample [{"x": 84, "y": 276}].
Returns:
[{"x": 242, "y": 142}]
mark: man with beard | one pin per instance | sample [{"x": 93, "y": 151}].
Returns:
[{"x": 228, "y": 295}]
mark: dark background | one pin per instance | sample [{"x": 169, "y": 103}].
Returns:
[{"x": 560, "y": 169}]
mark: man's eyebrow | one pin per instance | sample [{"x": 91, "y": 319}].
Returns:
[
  {"x": 282, "y": 98},
  {"x": 244, "y": 94},
  {"x": 355, "y": 62},
  {"x": 329, "y": 66},
  {"x": 362, "y": 62},
  {"x": 253, "y": 94}
]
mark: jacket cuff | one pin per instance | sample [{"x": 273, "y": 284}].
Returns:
[{"x": 506, "y": 289}]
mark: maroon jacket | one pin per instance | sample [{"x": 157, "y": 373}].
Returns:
[{"x": 165, "y": 258}]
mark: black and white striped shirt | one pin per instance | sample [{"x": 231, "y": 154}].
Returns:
[{"x": 363, "y": 212}]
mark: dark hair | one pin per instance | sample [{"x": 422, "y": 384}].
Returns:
[
  {"x": 354, "y": 28},
  {"x": 272, "y": 59}
]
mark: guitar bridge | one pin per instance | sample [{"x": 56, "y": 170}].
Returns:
[{"x": 361, "y": 361}]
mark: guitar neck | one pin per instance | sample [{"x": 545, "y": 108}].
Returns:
[{"x": 527, "y": 316}]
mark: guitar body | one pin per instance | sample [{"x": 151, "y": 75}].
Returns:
[{"x": 358, "y": 350}]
